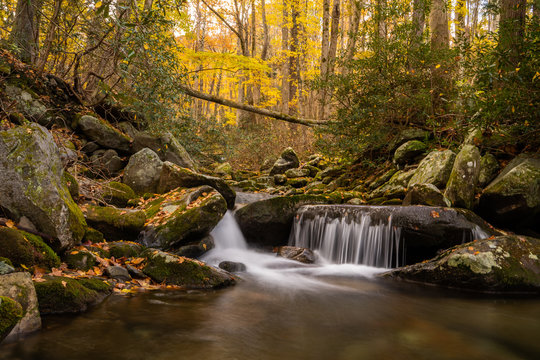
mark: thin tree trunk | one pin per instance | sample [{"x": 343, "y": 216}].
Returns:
[
  {"x": 266, "y": 38},
  {"x": 439, "y": 44},
  {"x": 49, "y": 38},
  {"x": 511, "y": 30},
  {"x": 25, "y": 31},
  {"x": 285, "y": 66}
]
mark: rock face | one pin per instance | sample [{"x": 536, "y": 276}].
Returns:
[
  {"x": 117, "y": 194},
  {"x": 166, "y": 146},
  {"x": 143, "y": 171},
  {"x": 31, "y": 108},
  {"x": 177, "y": 270},
  {"x": 513, "y": 198},
  {"x": 10, "y": 314},
  {"x": 502, "y": 264},
  {"x": 173, "y": 176},
  {"x": 434, "y": 169},
  {"x": 488, "y": 169},
  {"x": 104, "y": 134},
  {"x": 181, "y": 215},
  {"x": 425, "y": 194},
  {"x": 409, "y": 151},
  {"x": 287, "y": 160},
  {"x": 302, "y": 255},
  {"x": 22, "y": 248},
  {"x": 19, "y": 287},
  {"x": 395, "y": 187},
  {"x": 31, "y": 185},
  {"x": 115, "y": 223},
  {"x": 461, "y": 185}
]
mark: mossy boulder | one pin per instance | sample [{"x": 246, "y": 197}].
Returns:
[
  {"x": 312, "y": 170},
  {"x": 72, "y": 185},
  {"x": 166, "y": 146},
  {"x": 503, "y": 264},
  {"x": 6, "y": 266},
  {"x": 461, "y": 186},
  {"x": 380, "y": 180},
  {"x": 28, "y": 105},
  {"x": 224, "y": 170},
  {"x": 115, "y": 223},
  {"x": 409, "y": 152},
  {"x": 80, "y": 259},
  {"x": 58, "y": 294},
  {"x": 287, "y": 160},
  {"x": 103, "y": 133},
  {"x": 395, "y": 187},
  {"x": 10, "y": 314},
  {"x": 280, "y": 179},
  {"x": 268, "y": 222},
  {"x": 126, "y": 249},
  {"x": 176, "y": 270},
  {"x": 298, "y": 182},
  {"x": 32, "y": 185},
  {"x": 174, "y": 176},
  {"x": 425, "y": 194},
  {"x": 23, "y": 248},
  {"x": 513, "y": 198},
  {"x": 489, "y": 166},
  {"x": 19, "y": 287},
  {"x": 93, "y": 236},
  {"x": 118, "y": 194},
  {"x": 407, "y": 135},
  {"x": 143, "y": 171},
  {"x": 296, "y": 173},
  {"x": 182, "y": 215},
  {"x": 434, "y": 169}
]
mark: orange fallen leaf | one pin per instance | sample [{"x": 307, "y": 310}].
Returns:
[
  {"x": 476, "y": 252},
  {"x": 137, "y": 261},
  {"x": 10, "y": 224},
  {"x": 470, "y": 248},
  {"x": 75, "y": 252},
  {"x": 434, "y": 214}
]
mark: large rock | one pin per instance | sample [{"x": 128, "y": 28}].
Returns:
[
  {"x": 268, "y": 222},
  {"x": 106, "y": 162},
  {"x": 174, "y": 176},
  {"x": 302, "y": 255},
  {"x": 296, "y": 173},
  {"x": 143, "y": 171},
  {"x": 425, "y": 194},
  {"x": 117, "y": 194},
  {"x": 181, "y": 215},
  {"x": 506, "y": 264},
  {"x": 30, "y": 107},
  {"x": 434, "y": 169},
  {"x": 181, "y": 271},
  {"x": 166, "y": 146},
  {"x": 395, "y": 187},
  {"x": 19, "y": 287},
  {"x": 489, "y": 166},
  {"x": 463, "y": 180},
  {"x": 25, "y": 249},
  {"x": 407, "y": 135},
  {"x": 409, "y": 152},
  {"x": 103, "y": 133},
  {"x": 10, "y": 314},
  {"x": 32, "y": 185},
  {"x": 513, "y": 198},
  {"x": 115, "y": 223},
  {"x": 287, "y": 160}
]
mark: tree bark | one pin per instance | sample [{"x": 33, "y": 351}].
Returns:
[
  {"x": 294, "y": 60},
  {"x": 511, "y": 30},
  {"x": 49, "y": 38},
  {"x": 439, "y": 45},
  {"x": 25, "y": 31},
  {"x": 285, "y": 52}
]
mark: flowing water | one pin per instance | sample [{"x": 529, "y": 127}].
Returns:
[{"x": 285, "y": 310}]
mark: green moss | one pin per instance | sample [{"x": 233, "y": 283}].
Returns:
[
  {"x": 93, "y": 236},
  {"x": 127, "y": 249},
  {"x": 10, "y": 314},
  {"x": 115, "y": 223},
  {"x": 72, "y": 184},
  {"x": 6, "y": 260},
  {"x": 80, "y": 259},
  {"x": 26, "y": 249},
  {"x": 118, "y": 194}
]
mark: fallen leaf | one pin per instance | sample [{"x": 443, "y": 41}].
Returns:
[
  {"x": 75, "y": 252},
  {"x": 64, "y": 283},
  {"x": 470, "y": 248},
  {"x": 434, "y": 214},
  {"x": 10, "y": 224}
]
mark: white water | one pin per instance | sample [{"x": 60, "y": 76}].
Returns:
[{"x": 268, "y": 269}]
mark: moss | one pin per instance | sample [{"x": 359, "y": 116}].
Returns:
[
  {"x": 114, "y": 223},
  {"x": 6, "y": 260},
  {"x": 118, "y": 194},
  {"x": 80, "y": 259},
  {"x": 10, "y": 314},
  {"x": 95, "y": 284},
  {"x": 127, "y": 249},
  {"x": 93, "y": 236},
  {"x": 26, "y": 249},
  {"x": 72, "y": 184},
  {"x": 298, "y": 182}
]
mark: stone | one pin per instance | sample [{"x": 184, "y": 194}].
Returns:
[
  {"x": 81, "y": 259},
  {"x": 72, "y": 184},
  {"x": 6, "y": 266},
  {"x": 117, "y": 194},
  {"x": 93, "y": 236},
  {"x": 331, "y": 172},
  {"x": 312, "y": 170},
  {"x": 19, "y": 287},
  {"x": 395, "y": 187},
  {"x": 135, "y": 273},
  {"x": 407, "y": 135},
  {"x": 409, "y": 152},
  {"x": 103, "y": 133},
  {"x": 302, "y": 255},
  {"x": 280, "y": 179},
  {"x": 117, "y": 273},
  {"x": 503, "y": 264},
  {"x": 143, "y": 172},
  {"x": 32, "y": 185},
  {"x": 489, "y": 166},
  {"x": 297, "y": 182},
  {"x": 171, "y": 269},
  {"x": 106, "y": 163},
  {"x": 125, "y": 249},
  {"x": 10, "y": 314},
  {"x": 173, "y": 176},
  {"x": 224, "y": 169},
  {"x": 425, "y": 194},
  {"x": 232, "y": 266},
  {"x": 128, "y": 128},
  {"x": 196, "y": 249},
  {"x": 166, "y": 146},
  {"x": 26, "y": 104},
  {"x": 434, "y": 169},
  {"x": 267, "y": 164},
  {"x": 182, "y": 215},
  {"x": 474, "y": 137},
  {"x": 59, "y": 295},
  {"x": 23, "y": 248},
  {"x": 513, "y": 198},
  {"x": 296, "y": 173},
  {"x": 461, "y": 186},
  {"x": 115, "y": 223},
  {"x": 381, "y": 179},
  {"x": 287, "y": 160},
  {"x": 67, "y": 156}
]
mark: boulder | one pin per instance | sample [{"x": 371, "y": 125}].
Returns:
[
  {"x": 268, "y": 222},
  {"x": 224, "y": 169},
  {"x": 503, "y": 264},
  {"x": 126, "y": 249},
  {"x": 434, "y": 169},
  {"x": 72, "y": 185},
  {"x": 143, "y": 171},
  {"x": 287, "y": 160},
  {"x": 6, "y": 267},
  {"x": 32, "y": 185},
  {"x": 407, "y": 135},
  {"x": 19, "y": 287},
  {"x": 80, "y": 259},
  {"x": 425, "y": 194},
  {"x": 106, "y": 163},
  {"x": 395, "y": 187},
  {"x": 302, "y": 255},
  {"x": 10, "y": 314},
  {"x": 117, "y": 273},
  {"x": 27, "y": 105},
  {"x": 117, "y": 194},
  {"x": 280, "y": 179},
  {"x": 166, "y": 146},
  {"x": 232, "y": 266},
  {"x": 297, "y": 182},
  {"x": 176, "y": 270},
  {"x": 25, "y": 249},
  {"x": 409, "y": 152},
  {"x": 489, "y": 166},
  {"x": 103, "y": 133},
  {"x": 174, "y": 176},
  {"x": 474, "y": 137},
  {"x": 181, "y": 215},
  {"x": 461, "y": 185},
  {"x": 58, "y": 294},
  {"x": 513, "y": 198},
  {"x": 115, "y": 223},
  {"x": 296, "y": 173},
  {"x": 312, "y": 170}
]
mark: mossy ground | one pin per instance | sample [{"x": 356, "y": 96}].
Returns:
[{"x": 26, "y": 249}]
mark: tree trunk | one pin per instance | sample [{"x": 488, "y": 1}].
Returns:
[
  {"x": 294, "y": 77},
  {"x": 25, "y": 31},
  {"x": 439, "y": 45},
  {"x": 327, "y": 66},
  {"x": 285, "y": 65},
  {"x": 51, "y": 32},
  {"x": 266, "y": 38},
  {"x": 511, "y": 30}
]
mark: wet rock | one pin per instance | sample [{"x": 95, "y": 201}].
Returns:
[
  {"x": 409, "y": 152},
  {"x": 461, "y": 185},
  {"x": 173, "y": 176},
  {"x": 489, "y": 166},
  {"x": 143, "y": 171},
  {"x": 23, "y": 248},
  {"x": 434, "y": 169},
  {"x": 395, "y": 187},
  {"x": 135, "y": 273},
  {"x": 58, "y": 294},
  {"x": 103, "y": 133},
  {"x": 19, "y": 287},
  {"x": 10, "y": 314},
  {"x": 117, "y": 273},
  {"x": 425, "y": 194},
  {"x": 302, "y": 255},
  {"x": 504, "y": 264},
  {"x": 81, "y": 259},
  {"x": 232, "y": 267},
  {"x": 181, "y": 215},
  {"x": 176, "y": 270},
  {"x": 32, "y": 185},
  {"x": 196, "y": 249},
  {"x": 115, "y": 223},
  {"x": 166, "y": 146},
  {"x": 287, "y": 160}
]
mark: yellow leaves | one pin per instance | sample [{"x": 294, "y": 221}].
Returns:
[
  {"x": 74, "y": 252},
  {"x": 98, "y": 4},
  {"x": 24, "y": 267},
  {"x": 513, "y": 109},
  {"x": 437, "y": 66},
  {"x": 434, "y": 214},
  {"x": 470, "y": 248}
]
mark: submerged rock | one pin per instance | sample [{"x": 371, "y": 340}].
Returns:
[
  {"x": 434, "y": 169},
  {"x": 461, "y": 185},
  {"x": 232, "y": 266},
  {"x": 143, "y": 171},
  {"x": 287, "y": 160},
  {"x": 503, "y": 264},
  {"x": 302, "y": 255}
]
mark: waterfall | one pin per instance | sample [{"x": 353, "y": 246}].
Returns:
[{"x": 349, "y": 239}]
